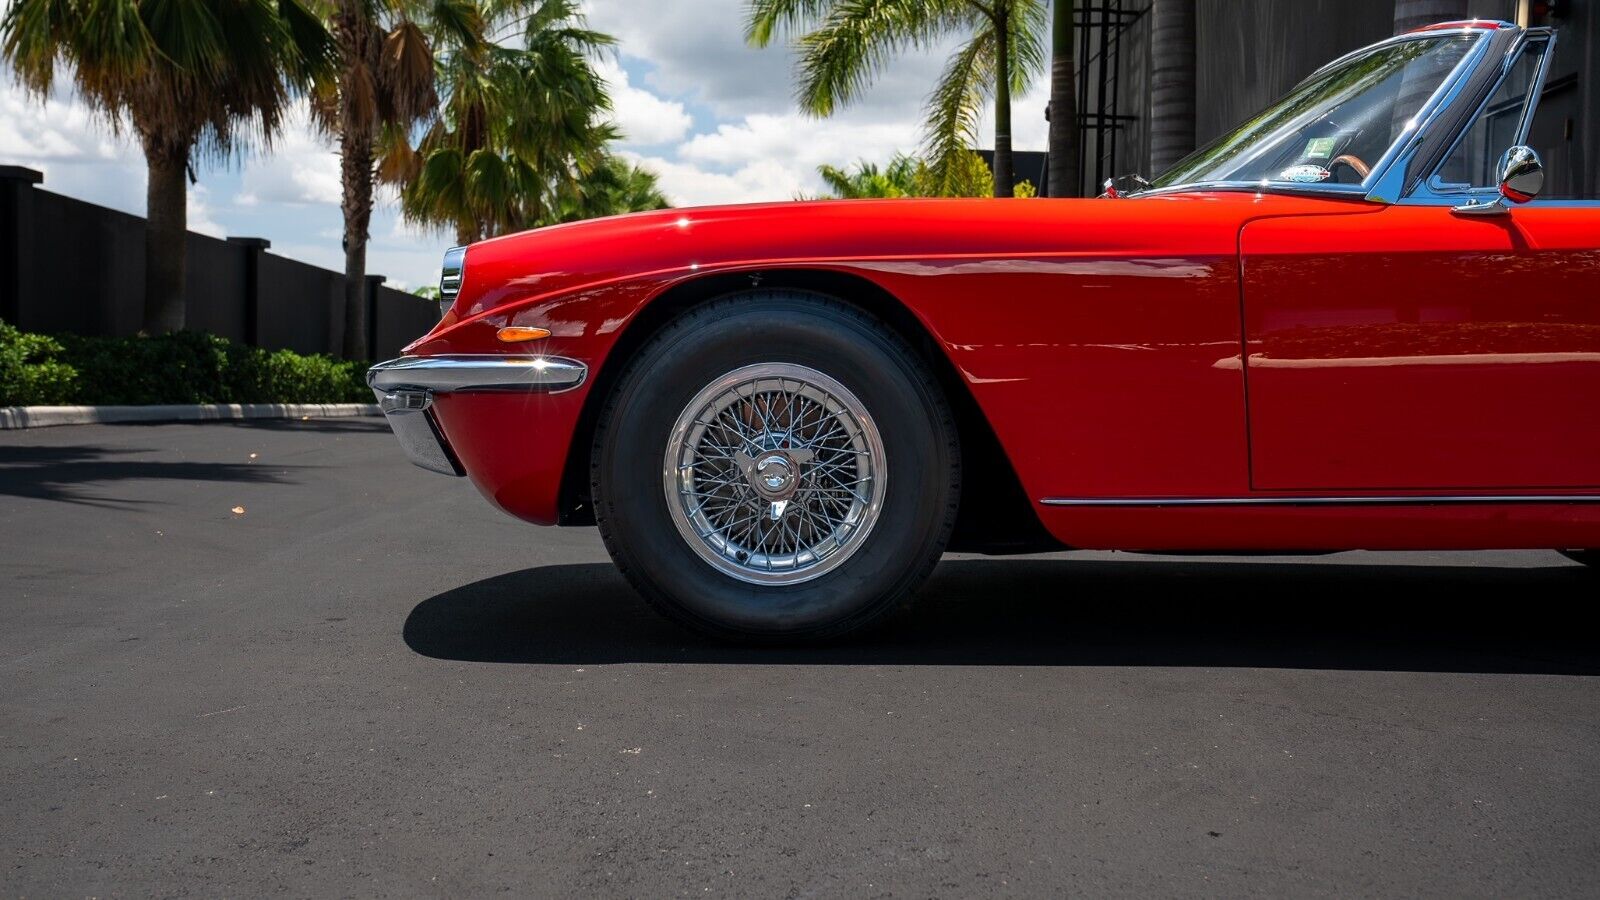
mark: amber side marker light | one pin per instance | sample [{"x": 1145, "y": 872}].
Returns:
[{"x": 516, "y": 334}]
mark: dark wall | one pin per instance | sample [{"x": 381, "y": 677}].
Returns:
[
  {"x": 301, "y": 306},
  {"x": 70, "y": 266},
  {"x": 1250, "y": 52},
  {"x": 390, "y": 329},
  {"x": 1566, "y": 128}
]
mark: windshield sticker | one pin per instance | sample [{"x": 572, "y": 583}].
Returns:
[
  {"x": 1320, "y": 148},
  {"x": 1305, "y": 174}
]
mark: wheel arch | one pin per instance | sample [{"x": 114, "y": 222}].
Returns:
[{"x": 996, "y": 515}]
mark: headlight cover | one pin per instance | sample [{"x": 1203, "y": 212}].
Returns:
[{"x": 450, "y": 277}]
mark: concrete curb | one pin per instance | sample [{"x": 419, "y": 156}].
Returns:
[{"x": 41, "y": 416}]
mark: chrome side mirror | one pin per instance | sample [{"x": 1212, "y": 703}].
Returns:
[{"x": 1521, "y": 175}]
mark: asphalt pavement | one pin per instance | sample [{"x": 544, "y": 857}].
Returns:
[{"x": 273, "y": 657}]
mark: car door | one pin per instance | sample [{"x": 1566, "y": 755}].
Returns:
[{"x": 1417, "y": 347}]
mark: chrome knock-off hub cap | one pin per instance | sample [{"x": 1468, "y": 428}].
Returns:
[{"x": 774, "y": 473}]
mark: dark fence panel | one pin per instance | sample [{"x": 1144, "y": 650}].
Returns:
[
  {"x": 214, "y": 283},
  {"x": 80, "y": 263},
  {"x": 301, "y": 306},
  {"x": 398, "y": 318},
  {"x": 71, "y": 266}
]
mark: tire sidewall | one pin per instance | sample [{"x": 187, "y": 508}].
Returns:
[{"x": 792, "y": 328}]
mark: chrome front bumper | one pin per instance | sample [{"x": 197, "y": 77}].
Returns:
[{"x": 405, "y": 388}]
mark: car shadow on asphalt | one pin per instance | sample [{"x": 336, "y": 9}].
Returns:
[
  {"x": 1069, "y": 612},
  {"x": 77, "y": 474},
  {"x": 374, "y": 424}
]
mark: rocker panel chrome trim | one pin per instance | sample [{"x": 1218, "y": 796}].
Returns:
[{"x": 1322, "y": 501}]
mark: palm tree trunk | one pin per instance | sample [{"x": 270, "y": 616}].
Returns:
[
  {"x": 1063, "y": 174},
  {"x": 1172, "y": 95},
  {"x": 1003, "y": 168},
  {"x": 355, "y": 160},
  {"x": 166, "y": 231}
]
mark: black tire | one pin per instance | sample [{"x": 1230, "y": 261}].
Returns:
[
  {"x": 1590, "y": 558},
  {"x": 708, "y": 343}
]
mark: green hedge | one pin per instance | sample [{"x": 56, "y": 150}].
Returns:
[{"x": 186, "y": 367}]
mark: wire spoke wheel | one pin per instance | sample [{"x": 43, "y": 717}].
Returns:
[{"x": 774, "y": 474}]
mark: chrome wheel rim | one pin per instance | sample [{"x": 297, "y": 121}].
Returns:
[{"x": 775, "y": 474}]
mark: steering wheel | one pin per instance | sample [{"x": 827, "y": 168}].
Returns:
[{"x": 1354, "y": 162}]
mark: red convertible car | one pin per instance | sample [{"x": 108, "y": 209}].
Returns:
[{"x": 1352, "y": 323}]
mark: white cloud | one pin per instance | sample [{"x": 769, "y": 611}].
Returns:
[
  {"x": 696, "y": 51},
  {"x": 200, "y": 214},
  {"x": 758, "y": 145},
  {"x": 796, "y": 140},
  {"x": 645, "y": 119},
  {"x": 1029, "y": 130},
  {"x": 302, "y": 167},
  {"x": 689, "y": 185},
  {"x": 73, "y": 146},
  {"x": 57, "y": 130}
]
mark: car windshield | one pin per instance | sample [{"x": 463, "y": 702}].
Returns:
[{"x": 1334, "y": 126}]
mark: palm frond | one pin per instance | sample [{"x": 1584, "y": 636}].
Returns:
[
  {"x": 407, "y": 73},
  {"x": 457, "y": 22},
  {"x": 840, "y": 58},
  {"x": 520, "y": 124},
  {"x": 1029, "y": 33},
  {"x": 314, "y": 59},
  {"x": 36, "y": 35},
  {"x": 765, "y": 18},
  {"x": 188, "y": 33},
  {"x": 956, "y": 105}
]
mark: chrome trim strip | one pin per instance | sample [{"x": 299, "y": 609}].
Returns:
[
  {"x": 1536, "y": 92},
  {"x": 454, "y": 374},
  {"x": 1319, "y": 501},
  {"x": 1347, "y": 191},
  {"x": 1388, "y": 179},
  {"x": 1499, "y": 25},
  {"x": 1554, "y": 203}
]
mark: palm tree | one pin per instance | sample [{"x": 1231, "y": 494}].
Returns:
[
  {"x": 1172, "y": 82},
  {"x": 203, "y": 78},
  {"x": 517, "y": 126},
  {"x": 612, "y": 188},
  {"x": 384, "y": 86},
  {"x": 898, "y": 179},
  {"x": 850, "y": 40},
  {"x": 908, "y": 176},
  {"x": 1063, "y": 172}
]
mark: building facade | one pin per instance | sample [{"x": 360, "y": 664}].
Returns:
[{"x": 1158, "y": 78}]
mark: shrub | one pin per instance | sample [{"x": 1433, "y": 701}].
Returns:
[
  {"x": 30, "y": 373},
  {"x": 186, "y": 367}
]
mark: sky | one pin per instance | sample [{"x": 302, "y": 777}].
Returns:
[{"x": 713, "y": 117}]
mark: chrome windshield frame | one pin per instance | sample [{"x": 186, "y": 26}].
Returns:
[
  {"x": 1423, "y": 192},
  {"x": 1385, "y": 184}
]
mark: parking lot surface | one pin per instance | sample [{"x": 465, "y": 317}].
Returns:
[{"x": 273, "y": 657}]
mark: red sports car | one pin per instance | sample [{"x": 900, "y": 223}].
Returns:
[{"x": 1352, "y": 323}]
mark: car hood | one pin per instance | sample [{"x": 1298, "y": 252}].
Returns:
[{"x": 680, "y": 242}]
